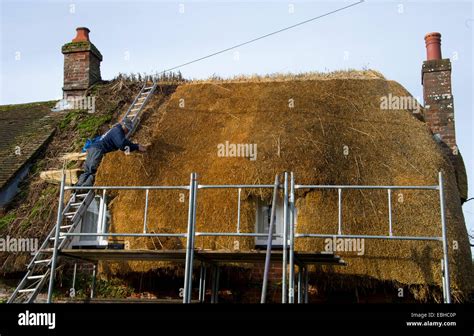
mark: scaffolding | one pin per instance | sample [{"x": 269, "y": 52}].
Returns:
[{"x": 290, "y": 259}]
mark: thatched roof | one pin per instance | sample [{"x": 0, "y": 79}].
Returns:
[{"x": 386, "y": 147}]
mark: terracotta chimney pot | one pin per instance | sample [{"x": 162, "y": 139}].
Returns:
[
  {"x": 82, "y": 35},
  {"x": 433, "y": 46}
]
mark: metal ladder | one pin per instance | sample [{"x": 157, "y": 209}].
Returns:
[
  {"x": 135, "y": 110},
  {"x": 39, "y": 268}
]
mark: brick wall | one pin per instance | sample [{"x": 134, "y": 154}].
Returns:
[
  {"x": 81, "y": 67},
  {"x": 438, "y": 98}
]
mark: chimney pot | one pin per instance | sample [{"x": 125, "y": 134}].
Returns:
[
  {"x": 433, "y": 46},
  {"x": 81, "y": 64},
  {"x": 82, "y": 35}
]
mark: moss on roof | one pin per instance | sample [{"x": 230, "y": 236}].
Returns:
[{"x": 25, "y": 129}]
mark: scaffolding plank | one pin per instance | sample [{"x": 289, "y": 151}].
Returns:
[{"x": 216, "y": 256}]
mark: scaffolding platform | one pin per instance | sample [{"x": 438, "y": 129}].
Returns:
[
  {"x": 215, "y": 257},
  {"x": 294, "y": 264}
]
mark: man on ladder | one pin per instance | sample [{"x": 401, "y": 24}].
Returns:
[{"x": 113, "y": 140}]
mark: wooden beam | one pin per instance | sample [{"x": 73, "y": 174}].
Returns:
[
  {"x": 55, "y": 176},
  {"x": 74, "y": 157}
]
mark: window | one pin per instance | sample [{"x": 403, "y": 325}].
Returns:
[
  {"x": 263, "y": 223},
  {"x": 93, "y": 221}
]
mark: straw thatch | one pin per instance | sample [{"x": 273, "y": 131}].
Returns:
[{"x": 385, "y": 147}]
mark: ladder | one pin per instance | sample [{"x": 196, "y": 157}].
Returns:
[
  {"x": 39, "y": 268},
  {"x": 135, "y": 110}
]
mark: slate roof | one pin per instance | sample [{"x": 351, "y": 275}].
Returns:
[{"x": 27, "y": 126}]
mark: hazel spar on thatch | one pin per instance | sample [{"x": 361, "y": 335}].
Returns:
[{"x": 333, "y": 132}]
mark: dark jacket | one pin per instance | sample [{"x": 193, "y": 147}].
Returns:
[{"x": 114, "y": 140}]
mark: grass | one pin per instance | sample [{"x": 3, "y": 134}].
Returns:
[
  {"x": 113, "y": 288},
  {"x": 86, "y": 124},
  {"x": 40, "y": 208},
  {"x": 6, "y": 220},
  {"x": 89, "y": 126}
]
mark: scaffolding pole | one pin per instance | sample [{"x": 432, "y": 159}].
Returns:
[
  {"x": 306, "y": 284},
  {"x": 74, "y": 279},
  {"x": 284, "y": 275},
  {"x": 188, "y": 272},
  {"x": 215, "y": 284},
  {"x": 94, "y": 278},
  {"x": 269, "y": 242},
  {"x": 447, "y": 287},
  {"x": 202, "y": 283},
  {"x": 56, "y": 240},
  {"x": 145, "y": 212},
  {"x": 300, "y": 285},
  {"x": 291, "y": 289}
]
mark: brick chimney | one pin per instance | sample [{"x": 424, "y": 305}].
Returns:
[
  {"x": 439, "y": 108},
  {"x": 81, "y": 64},
  {"x": 437, "y": 94}
]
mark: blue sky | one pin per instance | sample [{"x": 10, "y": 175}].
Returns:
[{"x": 148, "y": 36}]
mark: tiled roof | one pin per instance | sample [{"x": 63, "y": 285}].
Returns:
[{"x": 25, "y": 127}]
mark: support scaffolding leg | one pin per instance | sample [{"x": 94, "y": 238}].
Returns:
[
  {"x": 56, "y": 240},
  {"x": 188, "y": 272},
  {"x": 74, "y": 278},
  {"x": 202, "y": 283},
  {"x": 284, "y": 293},
  {"x": 300, "y": 284},
  {"x": 446, "y": 282},
  {"x": 291, "y": 231},
  {"x": 94, "y": 277},
  {"x": 306, "y": 284},
  {"x": 215, "y": 285},
  {"x": 266, "y": 270}
]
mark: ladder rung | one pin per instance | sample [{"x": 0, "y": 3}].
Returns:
[
  {"x": 65, "y": 226},
  {"x": 76, "y": 204},
  {"x": 42, "y": 261},
  {"x": 80, "y": 195},
  {"x": 54, "y": 238},
  {"x": 131, "y": 115},
  {"x": 27, "y": 290},
  {"x": 70, "y": 213},
  {"x": 35, "y": 277},
  {"x": 148, "y": 88}
]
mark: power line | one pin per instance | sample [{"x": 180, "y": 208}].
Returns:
[{"x": 262, "y": 37}]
